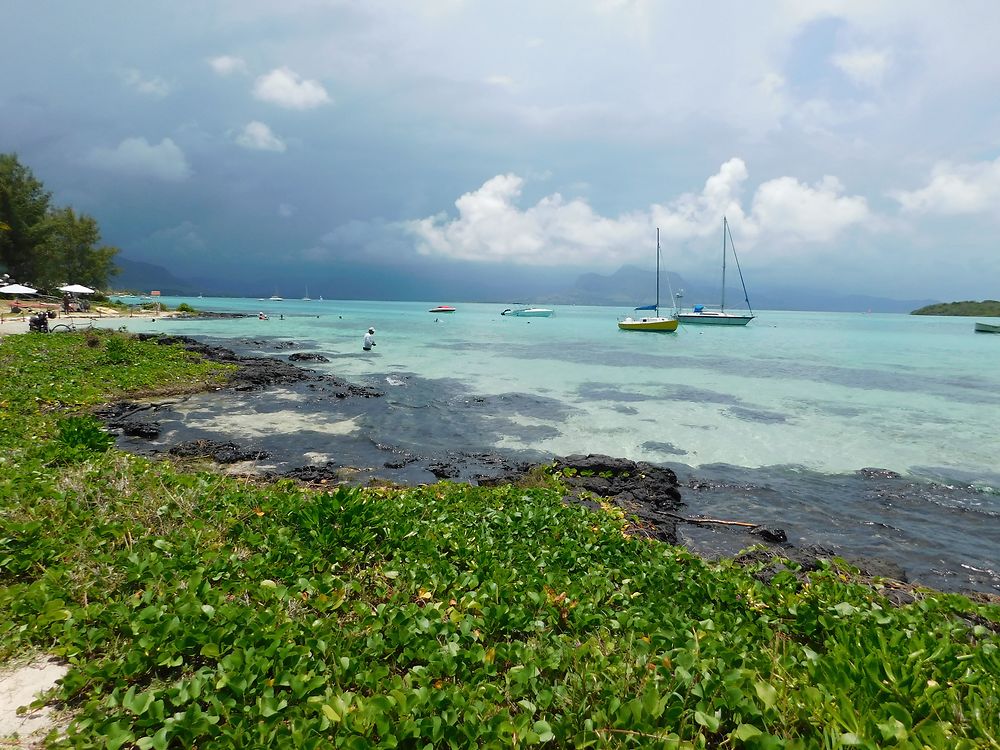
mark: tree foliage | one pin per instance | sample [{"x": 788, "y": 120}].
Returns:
[
  {"x": 42, "y": 244},
  {"x": 968, "y": 308}
]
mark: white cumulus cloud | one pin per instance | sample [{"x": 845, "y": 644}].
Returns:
[
  {"x": 866, "y": 67},
  {"x": 137, "y": 157},
  {"x": 257, "y": 136},
  {"x": 154, "y": 86},
  {"x": 956, "y": 189},
  {"x": 812, "y": 213},
  {"x": 555, "y": 231},
  {"x": 490, "y": 225},
  {"x": 286, "y": 88},
  {"x": 225, "y": 65},
  {"x": 697, "y": 214}
]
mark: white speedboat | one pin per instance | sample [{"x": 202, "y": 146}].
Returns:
[{"x": 528, "y": 312}]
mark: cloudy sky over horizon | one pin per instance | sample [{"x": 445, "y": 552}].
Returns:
[{"x": 852, "y": 145}]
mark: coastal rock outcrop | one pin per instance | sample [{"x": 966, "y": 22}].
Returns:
[
  {"x": 124, "y": 417},
  {"x": 643, "y": 490},
  {"x": 220, "y": 452},
  {"x": 255, "y": 373},
  {"x": 626, "y": 482}
]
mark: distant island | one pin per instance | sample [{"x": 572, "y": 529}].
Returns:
[{"x": 989, "y": 308}]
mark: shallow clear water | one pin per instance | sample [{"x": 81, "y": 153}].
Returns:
[{"x": 782, "y": 412}]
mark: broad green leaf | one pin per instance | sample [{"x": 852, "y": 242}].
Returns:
[
  {"x": 157, "y": 741},
  {"x": 117, "y": 734},
  {"x": 543, "y": 730},
  {"x": 767, "y": 694},
  {"x": 331, "y": 713},
  {"x": 745, "y": 732},
  {"x": 709, "y": 721}
]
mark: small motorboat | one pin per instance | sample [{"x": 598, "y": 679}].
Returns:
[
  {"x": 442, "y": 309},
  {"x": 528, "y": 312},
  {"x": 987, "y": 328}
]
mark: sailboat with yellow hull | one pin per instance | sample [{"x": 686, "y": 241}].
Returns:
[{"x": 654, "y": 322}]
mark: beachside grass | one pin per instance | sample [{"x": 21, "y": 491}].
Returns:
[{"x": 197, "y": 609}]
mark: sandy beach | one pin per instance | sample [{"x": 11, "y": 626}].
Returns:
[{"x": 103, "y": 317}]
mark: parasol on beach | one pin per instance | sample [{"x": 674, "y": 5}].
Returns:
[
  {"x": 76, "y": 289},
  {"x": 17, "y": 289}
]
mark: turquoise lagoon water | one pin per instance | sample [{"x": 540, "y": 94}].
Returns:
[
  {"x": 770, "y": 422},
  {"x": 832, "y": 392}
]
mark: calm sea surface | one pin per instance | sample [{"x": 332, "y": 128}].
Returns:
[{"x": 768, "y": 423}]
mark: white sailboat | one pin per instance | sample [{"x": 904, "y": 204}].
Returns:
[
  {"x": 654, "y": 322},
  {"x": 701, "y": 315},
  {"x": 307, "y": 297}
]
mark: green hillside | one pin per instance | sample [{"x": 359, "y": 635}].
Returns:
[{"x": 989, "y": 308}]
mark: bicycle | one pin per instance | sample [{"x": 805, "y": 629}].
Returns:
[{"x": 70, "y": 327}]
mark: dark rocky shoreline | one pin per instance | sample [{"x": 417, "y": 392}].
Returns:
[{"x": 649, "y": 494}]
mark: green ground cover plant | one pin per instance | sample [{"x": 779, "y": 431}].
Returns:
[{"x": 197, "y": 609}]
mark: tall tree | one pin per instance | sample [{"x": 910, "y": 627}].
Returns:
[
  {"x": 24, "y": 204},
  {"x": 69, "y": 253},
  {"x": 44, "y": 245}
]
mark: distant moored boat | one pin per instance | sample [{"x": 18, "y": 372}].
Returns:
[
  {"x": 655, "y": 322},
  {"x": 528, "y": 312},
  {"x": 442, "y": 309},
  {"x": 720, "y": 317}
]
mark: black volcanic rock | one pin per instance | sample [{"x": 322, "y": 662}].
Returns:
[
  {"x": 313, "y": 474},
  {"x": 140, "y": 429},
  {"x": 220, "y": 452},
  {"x": 123, "y": 416},
  {"x": 770, "y": 534},
  {"x": 255, "y": 373},
  {"x": 630, "y": 482},
  {"x": 643, "y": 490}
]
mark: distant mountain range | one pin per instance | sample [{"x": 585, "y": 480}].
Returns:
[
  {"x": 629, "y": 286},
  {"x": 139, "y": 276}
]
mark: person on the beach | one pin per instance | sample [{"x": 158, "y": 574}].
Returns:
[{"x": 369, "y": 340}]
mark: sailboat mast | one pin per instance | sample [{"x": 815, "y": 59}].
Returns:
[
  {"x": 657, "y": 271},
  {"x": 725, "y": 231}
]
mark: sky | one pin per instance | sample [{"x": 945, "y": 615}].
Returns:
[{"x": 852, "y": 145}]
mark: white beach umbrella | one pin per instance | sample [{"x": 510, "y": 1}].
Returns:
[
  {"x": 17, "y": 289},
  {"x": 76, "y": 289}
]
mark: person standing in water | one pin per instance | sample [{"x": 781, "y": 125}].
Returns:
[{"x": 369, "y": 340}]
